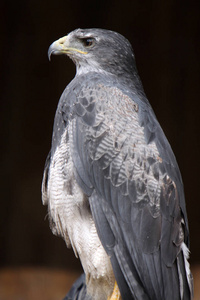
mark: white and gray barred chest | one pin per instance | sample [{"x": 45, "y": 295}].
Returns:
[
  {"x": 71, "y": 218},
  {"x": 108, "y": 123},
  {"x": 114, "y": 137}
]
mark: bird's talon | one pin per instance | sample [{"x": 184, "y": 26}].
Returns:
[{"x": 115, "y": 294}]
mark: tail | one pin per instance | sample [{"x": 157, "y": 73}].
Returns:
[{"x": 78, "y": 290}]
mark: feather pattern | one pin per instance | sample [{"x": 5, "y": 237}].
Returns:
[
  {"x": 113, "y": 187},
  {"x": 143, "y": 199}
]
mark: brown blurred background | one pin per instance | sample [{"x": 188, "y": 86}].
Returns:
[{"x": 165, "y": 38}]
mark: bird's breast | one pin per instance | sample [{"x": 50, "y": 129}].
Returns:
[{"x": 71, "y": 218}]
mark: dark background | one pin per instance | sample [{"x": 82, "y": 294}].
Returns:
[{"x": 165, "y": 38}]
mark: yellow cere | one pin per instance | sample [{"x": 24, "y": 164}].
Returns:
[{"x": 61, "y": 42}]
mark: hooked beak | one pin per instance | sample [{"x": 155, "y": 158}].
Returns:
[{"x": 63, "y": 46}]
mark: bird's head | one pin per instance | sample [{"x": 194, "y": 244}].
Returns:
[{"x": 96, "y": 49}]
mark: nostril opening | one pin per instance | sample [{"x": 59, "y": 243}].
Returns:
[{"x": 62, "y": 40}]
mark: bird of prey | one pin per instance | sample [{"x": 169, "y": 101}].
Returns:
[{"x": 111, "y": 181}]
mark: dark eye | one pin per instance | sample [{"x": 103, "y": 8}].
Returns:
[{"x": 88, "y": 42}]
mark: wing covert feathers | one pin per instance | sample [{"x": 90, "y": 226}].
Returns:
[
  {"x": 124, "y": 164},
  {"x": 137, "y": 199}
]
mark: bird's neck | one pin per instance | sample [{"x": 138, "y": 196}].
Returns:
[{"x": 89, "y": 68}]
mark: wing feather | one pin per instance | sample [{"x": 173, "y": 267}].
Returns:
[
  {"x": 45, "y": 179},
  {"x": 125, "y": 165}
]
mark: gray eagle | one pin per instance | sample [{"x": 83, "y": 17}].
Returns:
[{"x": 111, "y": 181}]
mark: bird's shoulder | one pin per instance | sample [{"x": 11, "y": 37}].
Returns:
[{"x": 117, "y": 132}]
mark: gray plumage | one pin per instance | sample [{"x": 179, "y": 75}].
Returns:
[
  {"x": 111, "y": 181},
  {"x": 78, "y": 290}
]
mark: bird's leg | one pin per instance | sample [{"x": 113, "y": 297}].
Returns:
[{"x": 115, "y": 294}]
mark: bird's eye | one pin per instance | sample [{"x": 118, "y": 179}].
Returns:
[{"x": 88, "y": 42}]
